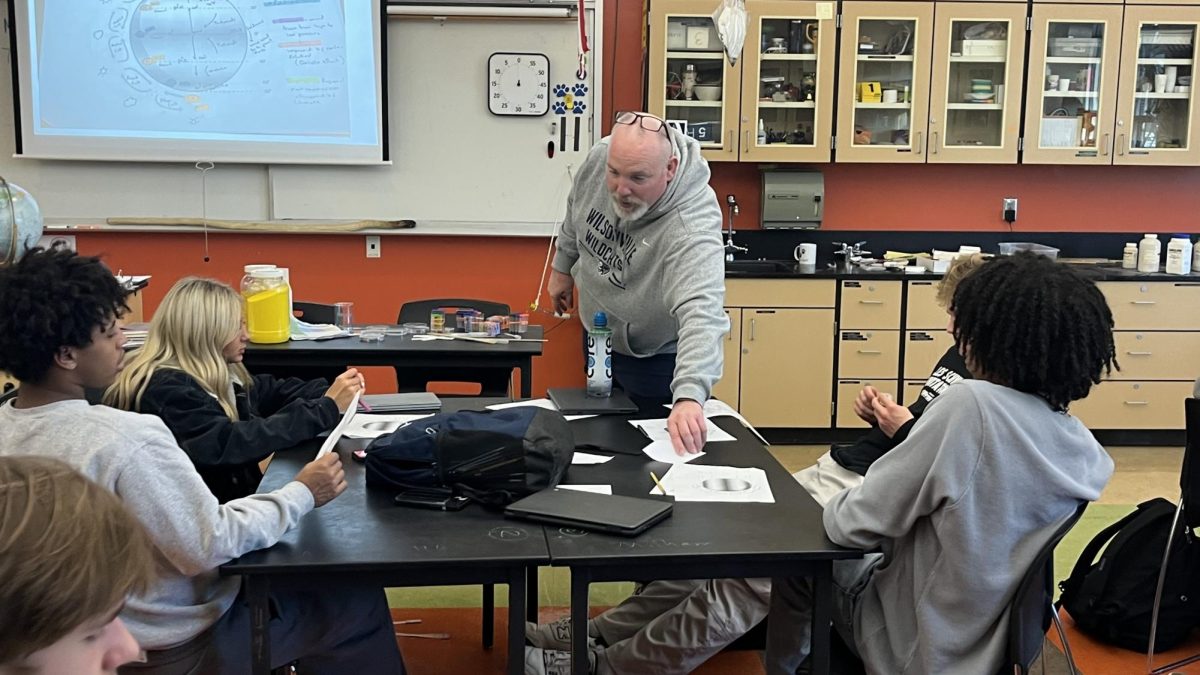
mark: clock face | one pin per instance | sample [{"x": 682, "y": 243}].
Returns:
[{"x": 518, "y": 84}]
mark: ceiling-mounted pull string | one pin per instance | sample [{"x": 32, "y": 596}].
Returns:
[
  {"x": 204, "y": 168},
  {"x": 582, "y": 73}
]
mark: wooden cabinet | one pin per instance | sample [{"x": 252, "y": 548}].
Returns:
[
  {"x": 922, "y": 350},
  {"x": 923, "y": 310},
  {"x": 728, "y": 387},
  {"x": 1134, "y": 405},
  {"x": 784, "y": 78},
  {"x": 868, "y": 353},
  {"x": 870, "y": 304},
  {"x": 847, "y": 390}
]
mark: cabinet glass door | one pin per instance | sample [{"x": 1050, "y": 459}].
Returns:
[
  {"x": 1072, "y": 87},
  {"x": 787, "y": 85},
  {"x": 691, "y": 82},
  {"x": 976, "y": 90},
  {"x": 884, "y": 100},
  {"x": 1157, "y": 114}
]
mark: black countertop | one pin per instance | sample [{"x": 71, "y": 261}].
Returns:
[{"x": 780, "y": 269}]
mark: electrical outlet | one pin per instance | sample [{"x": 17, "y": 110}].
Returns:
[
  {"x": 1009, "y": 211},
  {"x": 373, "y": 247}
]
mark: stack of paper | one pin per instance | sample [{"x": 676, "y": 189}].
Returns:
[
  {"x": 302, "y": 330},
  {"x": 700, "y": 483}
]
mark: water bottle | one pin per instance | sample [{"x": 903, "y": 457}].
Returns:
[{"x": 599, "y": 357}]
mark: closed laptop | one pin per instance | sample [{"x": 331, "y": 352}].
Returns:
[
  {"x": 614, "y": 514},
  {"x": 577, "y": 402}
]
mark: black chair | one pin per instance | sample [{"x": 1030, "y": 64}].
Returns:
[
  {"x": 1033, "y": 609},
  {"x": 314, "y": 312},
  {"x": 491, "y": 381},
  {"x": 8, "y": 395}
]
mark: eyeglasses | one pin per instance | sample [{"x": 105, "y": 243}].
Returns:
[{"x": 647, "y": 122}]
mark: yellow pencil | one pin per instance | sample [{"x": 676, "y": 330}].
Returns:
[{"x": 659, "y": 484}]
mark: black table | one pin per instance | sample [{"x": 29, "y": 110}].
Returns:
[
  {"x": 700, "y": 540},
  {"x": 341, "y": 353},
  {"x": 363, "y": 535}
]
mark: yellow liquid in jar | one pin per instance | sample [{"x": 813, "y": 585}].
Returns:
[{"x": 268, "y": 316}]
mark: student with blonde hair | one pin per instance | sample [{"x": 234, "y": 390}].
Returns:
[
  {"x": 69, "y": 555},
  {"x": 190, "y": 374}
]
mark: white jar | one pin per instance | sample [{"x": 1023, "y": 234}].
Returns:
[
  {"x": 1179, "y": 255},
  {"x": 1130, "y": 257},
  {"x": 1149, "y": 253}
]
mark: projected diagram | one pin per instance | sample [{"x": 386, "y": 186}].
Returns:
[{"x": 187, "y": 67}]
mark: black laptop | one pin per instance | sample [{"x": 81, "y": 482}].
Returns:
[
  {"x": 577, "y": 402},
  {"x": 614, "y": 514}
]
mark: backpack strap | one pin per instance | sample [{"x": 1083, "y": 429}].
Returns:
[{"x": 1122, "y": 529}]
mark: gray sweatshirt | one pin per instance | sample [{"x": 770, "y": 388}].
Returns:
[
  {"x": 660, "y": 278},
  {"x": 960, "y": 509},
  {"x": 137, "y": 458}
]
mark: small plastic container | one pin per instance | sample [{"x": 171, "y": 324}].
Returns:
[
  {"x": 415, "y": 328},
  {"x": 1011, "y": 247},
  {"x": 437, "y": 321},
  {"x": 375, "y": 333},
  {"x": 268, "y": 306}
]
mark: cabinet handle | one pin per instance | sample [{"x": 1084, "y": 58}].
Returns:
[
  {"x": 752, "y": 330},
  {"x": 730, "y": 142},
  {"x": 1104, "y": 145},
  {"x": 869, "y": 351},
  {"x": 870, "y": 302},
  {"x": 920, "y": 148},
  {"x": 1143, "y": 302},
  {"x": 747, "y": 141},
  {"x": 933, "y": 142},
  {"x": 1140, "y": 353},
  {"x": 1121, "y": 144},
  {"x": 1137, "y": 403}
]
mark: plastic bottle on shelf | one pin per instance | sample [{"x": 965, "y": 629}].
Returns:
[
  {"x": 762, "y": 132},
  {"x": 599, "y": 358},
  {"x": 1130, "y": 258},
  {"x": 1179, "y": 255},
  {"x": 1196, "y": 263},
  {"x": 1149, "y": 253}
]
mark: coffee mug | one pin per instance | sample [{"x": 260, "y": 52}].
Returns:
[
  {"x": 890, "y": 95},
  {"x": 805, "y": 254}
]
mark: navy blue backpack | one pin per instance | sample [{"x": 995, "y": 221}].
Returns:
[{"x": 494, "y": 456}]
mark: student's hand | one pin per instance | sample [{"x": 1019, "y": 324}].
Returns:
[
  {"x": 560, "y": 288},
  {"x": 890, "y": 415},
  {"x": 688, "y": 428},
  {"x": 324, "y": 478},
  {"x": 864, "y": 404},
  {"x": 345, "y": 387}
]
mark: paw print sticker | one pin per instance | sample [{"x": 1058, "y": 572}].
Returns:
[
  {"x": 580, "y": 106},
  {"x": 558, "y": 108},
  {"x": 579, "y": 89},
  {"x": 560, "y": 90}
]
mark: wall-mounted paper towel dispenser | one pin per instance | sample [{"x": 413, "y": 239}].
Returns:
[{"x": 793, "y": 199}]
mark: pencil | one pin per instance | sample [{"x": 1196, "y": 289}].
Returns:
[
  {"x": 363, "y": 404},
  {"x": 659, "y": 484}
]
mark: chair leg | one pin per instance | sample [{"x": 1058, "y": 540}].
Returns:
[
  {"x": 1162, "y": 578},
  {"x": 489, "y": 615},
  {"x": 1072, "y": 669}
]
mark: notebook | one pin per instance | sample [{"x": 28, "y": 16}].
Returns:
[
  {"x": 614, "y": 514},
  {"x": 387, "y": 403},
  {"x": 577, "y": 402}
]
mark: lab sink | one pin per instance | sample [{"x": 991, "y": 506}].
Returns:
[{"x": 759, "y": 266}]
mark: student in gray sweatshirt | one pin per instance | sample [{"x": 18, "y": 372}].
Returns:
[
  {"x": 985, "y": 477},
  {"x": 60, "y": 338},
  {"x": 641, "y": 240}
]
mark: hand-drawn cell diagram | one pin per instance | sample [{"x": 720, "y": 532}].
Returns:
[{"x": 189, "y": 46}]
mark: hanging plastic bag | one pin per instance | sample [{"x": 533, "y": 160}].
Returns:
[{"x": 730, "y": 19}]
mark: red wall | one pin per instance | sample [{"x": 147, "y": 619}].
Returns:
[{"x": 868, "y": 196}]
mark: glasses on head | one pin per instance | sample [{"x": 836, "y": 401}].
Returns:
[{"x": 647, "y": 122}]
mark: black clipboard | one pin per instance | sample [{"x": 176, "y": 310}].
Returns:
[
  {"x": 613, "y": 514},
  {"x": 577, "y": 402}
]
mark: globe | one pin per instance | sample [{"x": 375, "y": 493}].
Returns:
[{"x": 20, "y": 222}]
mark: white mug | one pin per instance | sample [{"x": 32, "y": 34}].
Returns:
[
  {"x": 890, "y": 96},
  {"x": 805, "y": 254}
]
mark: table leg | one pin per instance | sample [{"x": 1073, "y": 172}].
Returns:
[
  {"x": 821, "y": 618},
  {"x": 580, "y": 579},
  {"x": 531, "y": 594},
  {"x": 258, "y": 589},
  {"x": 489, "y": 615},
  {"x": 526, "y": 369},
  {"x": 516, "y": 621}
]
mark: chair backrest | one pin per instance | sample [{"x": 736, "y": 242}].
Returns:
[
  {"x": 314, "y": 312},
  {"x": 1032, "y": 604},
  {"x": 418, "y": 310},
  {"x": 10, "y": 394},
  {"x": 1189, "y": 476}
]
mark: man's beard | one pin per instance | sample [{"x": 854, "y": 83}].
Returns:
[{"x": 639, "y": 209}]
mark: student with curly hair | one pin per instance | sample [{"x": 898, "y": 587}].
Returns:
[
  {"x": 60, "y": 338},
  {"x": 69, "y": 555},
  {"x": 989, "y": 472},
  {"x": 190, "y": 374}
]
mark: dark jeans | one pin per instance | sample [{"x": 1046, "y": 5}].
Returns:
[
  {"x": 647, "y": 381},
  {"x": 327, "y": 629}
]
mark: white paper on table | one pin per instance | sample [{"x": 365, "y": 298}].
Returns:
[
  {"x": 656, "y": 430},
  {"x": 703, "y": 483},
  {"x": 376, "y": 425},
  {"x": 588, "y": 458},
  {"x": 664, "y": 451},
  {"x": 336, "y": 435},
  {"x": 537, "y": 403},
  {"x": 598, "y": 489},
  {"x": 717, "y": 408}
]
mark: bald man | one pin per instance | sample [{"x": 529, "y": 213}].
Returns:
[{"x": 642, "y": 241}]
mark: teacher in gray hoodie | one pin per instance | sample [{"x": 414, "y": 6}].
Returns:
[{"x": 642, "y": 241}]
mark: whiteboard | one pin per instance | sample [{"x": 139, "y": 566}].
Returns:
[{"x": 455, "y": 165}]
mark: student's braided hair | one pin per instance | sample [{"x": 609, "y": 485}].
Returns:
[{"x": 1027, "y": 322}]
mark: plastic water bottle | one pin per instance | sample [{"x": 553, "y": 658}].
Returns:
[{"x": 599, "y": 357}]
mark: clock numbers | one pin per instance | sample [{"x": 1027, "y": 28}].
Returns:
[{"x": 518, "y": 84}]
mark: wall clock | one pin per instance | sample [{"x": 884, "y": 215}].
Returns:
[{"x": 518, "y": 84}]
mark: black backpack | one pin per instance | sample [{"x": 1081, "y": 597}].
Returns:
[
  {"x": 1111, "y": 599},
  {"x": 493, "y": 456}
]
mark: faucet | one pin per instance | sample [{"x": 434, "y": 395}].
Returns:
[
  {"x": 730, "y": 247},
  {"x": 851, "y": 253}
]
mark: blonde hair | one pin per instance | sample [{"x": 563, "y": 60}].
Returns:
[
  {"x": 191, "y": 327},
  {"x": 960, "y": 268},
  {"x": 69, "y": 552}
]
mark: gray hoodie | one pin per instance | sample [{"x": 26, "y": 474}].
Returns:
[
  {"x": 660, "y": 278},
  {"x": 960, "y": 510}
]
